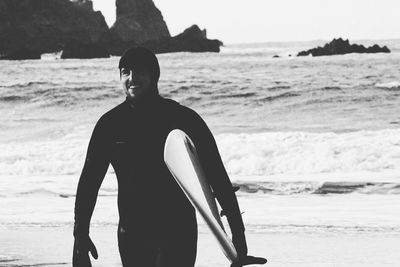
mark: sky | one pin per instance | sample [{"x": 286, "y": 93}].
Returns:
[{"x": 251, "y": 21}]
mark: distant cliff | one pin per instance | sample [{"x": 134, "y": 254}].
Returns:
[
  {"x": 29, "y": 28},
  {"x": 41, "y": 26}
]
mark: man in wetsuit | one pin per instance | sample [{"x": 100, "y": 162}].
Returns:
[{"x": 157, "y": 226}]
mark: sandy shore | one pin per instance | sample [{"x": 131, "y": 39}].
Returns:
[{"x": 53, "y": 246}]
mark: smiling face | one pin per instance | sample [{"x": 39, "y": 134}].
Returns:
[{"x": 135, "y": 84}]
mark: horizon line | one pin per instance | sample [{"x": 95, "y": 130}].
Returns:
[{"x": 310, "y": 40}]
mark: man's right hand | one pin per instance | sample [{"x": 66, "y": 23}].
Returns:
[
  {"x": 248, "y": 260},
  {"x": 82, "y": 246},
  {"x": 239, "y": 241}
]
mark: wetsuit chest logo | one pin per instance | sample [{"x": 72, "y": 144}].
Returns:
[{"x": 120, "y": 142}]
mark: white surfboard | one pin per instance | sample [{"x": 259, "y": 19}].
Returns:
[{"x": 181, "y": 159}]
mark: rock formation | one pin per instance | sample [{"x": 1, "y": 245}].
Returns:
[
  {"x": 84, "y": 4},
  {"x": 47, "y": 25},
  {"x": 137, "y": 21},
  {"x": 341, "y": 47},
  {"x": 193, "y": 39},
  {"x": 29, "y": 28}
]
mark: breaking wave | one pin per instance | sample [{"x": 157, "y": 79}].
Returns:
[
  {"x": 303, "y": 153},
  {"x": 389, "y": 86},
  {"x": 253, "y": 154},
  {"x": 292, "y": 188}
]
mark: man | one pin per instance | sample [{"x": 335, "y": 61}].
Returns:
[{"x": 157, "y": 226}]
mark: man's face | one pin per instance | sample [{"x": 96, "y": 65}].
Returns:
[{"x": 134, "y": 83}]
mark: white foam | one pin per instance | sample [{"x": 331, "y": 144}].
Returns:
[
  {"x": 270, "y": 154},
  {"x": 390, "y": 85},
  {"x": 51, "y": 56},
  {"x": 59, "y": 156},
  {"x": 305, "y": 154}
]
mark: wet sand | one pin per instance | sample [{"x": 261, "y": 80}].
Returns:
[{"x": 53, "y": 247}]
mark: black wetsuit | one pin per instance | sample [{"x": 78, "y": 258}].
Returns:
[{"x": 157, "y": 224}]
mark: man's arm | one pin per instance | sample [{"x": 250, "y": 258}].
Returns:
[
  {"x": 94, "y": 170},
  {"x": 218, "y": 178}
]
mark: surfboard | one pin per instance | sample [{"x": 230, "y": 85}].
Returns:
[{"x": 181, "y": 158}]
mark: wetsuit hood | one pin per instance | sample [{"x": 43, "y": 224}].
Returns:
[{"x": 142, "y": 59}]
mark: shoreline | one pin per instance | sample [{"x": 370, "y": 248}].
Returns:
[{"x": 53, "y": 247}]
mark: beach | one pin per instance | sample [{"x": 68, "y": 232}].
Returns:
[
  {"x": 306, "y": 230},
  {"x": 53, "y": 247}
]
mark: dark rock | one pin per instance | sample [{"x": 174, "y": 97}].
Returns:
[
  {"x": 193, "y": 39},
  {"x": 114, "y": 43},
  {"x": 20, "y": 54},
  {"x": 79, "y": 50},
  {"x": 377, "y": 49},
  {"x": 276, "y": 56},
  {"x": 137, "y": 22},
  {"x": 84, "y": 4},
  {"x": 32, "y": 27},
  {"x": 341, "y": 47},
  {"x": 45, "y": 26}
]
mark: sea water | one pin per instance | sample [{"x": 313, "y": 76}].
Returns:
[{"x": 314, "y": 143}]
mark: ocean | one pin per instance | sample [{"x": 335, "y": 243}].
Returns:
[{"x": 314, "y": 143}]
